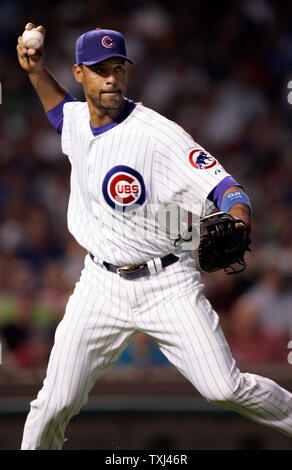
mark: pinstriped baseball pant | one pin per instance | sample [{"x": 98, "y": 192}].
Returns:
[{"x": 101, "y": 317}]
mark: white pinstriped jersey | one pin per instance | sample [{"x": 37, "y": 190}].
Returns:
[{"x": 122, "y": 178}]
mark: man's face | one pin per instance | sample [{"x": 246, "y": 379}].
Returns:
[{"x": 104, "y": 83}]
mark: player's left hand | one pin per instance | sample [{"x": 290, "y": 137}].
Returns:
[{"x": 224, "y": 239}]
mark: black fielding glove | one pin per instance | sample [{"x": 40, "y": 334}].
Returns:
[{"x": 224, "y": 239}]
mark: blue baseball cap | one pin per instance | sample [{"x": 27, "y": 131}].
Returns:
[{"x": 100, "y": 44}]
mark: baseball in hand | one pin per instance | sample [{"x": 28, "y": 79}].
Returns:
[{"x": 32, "y": 39}]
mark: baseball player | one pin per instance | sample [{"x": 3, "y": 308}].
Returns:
[{"x": 125, "y": 159}]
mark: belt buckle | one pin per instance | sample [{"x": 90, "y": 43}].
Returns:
[{"x": 129, "y": 268}]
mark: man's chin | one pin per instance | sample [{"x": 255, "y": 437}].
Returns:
[{"x": 111, "y": 103}]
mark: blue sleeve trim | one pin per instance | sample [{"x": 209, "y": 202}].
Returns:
[
  {"x": 217, "y": 193},
  {"x": 55, "y": 115}
]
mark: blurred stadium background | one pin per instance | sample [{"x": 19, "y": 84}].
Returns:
[{"x": 221, "y": 70}]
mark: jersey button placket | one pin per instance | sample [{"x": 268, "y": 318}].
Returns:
[{"x": 90, "y": 172}]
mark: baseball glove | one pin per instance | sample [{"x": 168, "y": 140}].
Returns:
[{"x": 224, "y": 239}]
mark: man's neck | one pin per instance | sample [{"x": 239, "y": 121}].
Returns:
[{"x": 100, "y": 117}]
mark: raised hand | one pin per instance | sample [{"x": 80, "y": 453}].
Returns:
[{"x": 31, "y": 60}]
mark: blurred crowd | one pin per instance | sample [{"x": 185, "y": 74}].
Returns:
[{"x": 219, "y": 69}]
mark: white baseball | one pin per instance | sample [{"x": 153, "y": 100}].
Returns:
[{"x": 32, "y": 39}]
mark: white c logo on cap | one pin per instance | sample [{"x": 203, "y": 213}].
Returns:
[{"x": 107, "y": 41}]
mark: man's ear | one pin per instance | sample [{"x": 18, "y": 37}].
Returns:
[{"x": 78, "y": 73}]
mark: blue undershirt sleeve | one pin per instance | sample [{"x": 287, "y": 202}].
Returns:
[
  {"x": 55, "y": 115},
  {"x": 216, "y": 194}
]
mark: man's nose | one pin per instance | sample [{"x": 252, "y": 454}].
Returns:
[{"x": 111, "y": 79}]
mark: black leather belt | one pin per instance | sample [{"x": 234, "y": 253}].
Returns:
[{"x": 131, "y": 272}]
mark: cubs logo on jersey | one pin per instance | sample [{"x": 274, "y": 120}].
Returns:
[
  {"x": 123, "y": 188},
  {"x": 201, "y": 160}
]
